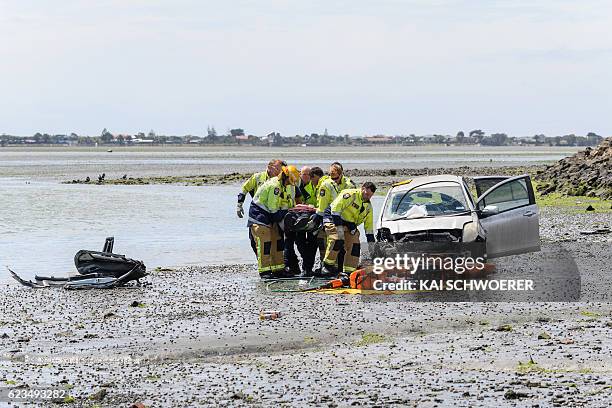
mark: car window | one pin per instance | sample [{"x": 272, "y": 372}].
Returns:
[
  {"x": 485, "y": 183},
  {"x": 508, "y": 196},
  {"x": 429, "y": 200}
]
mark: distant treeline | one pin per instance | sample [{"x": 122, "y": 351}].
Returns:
[{"x": 238, "y": 137}]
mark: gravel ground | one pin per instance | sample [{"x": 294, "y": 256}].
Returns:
[{"x": 192, "y": 337}]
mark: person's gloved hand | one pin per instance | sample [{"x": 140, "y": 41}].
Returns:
[
  {"x": 239, "y": 210},
  {"x": 340, "y": 231}
]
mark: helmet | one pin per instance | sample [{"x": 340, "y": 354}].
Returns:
[{"x": 292, "y": 174}]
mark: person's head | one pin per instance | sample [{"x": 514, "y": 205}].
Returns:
[
  {"x": 305, "y": 175},
  {"x": 315, "y": 174},
  {"x": 367, "y": 190},
  {"x": 290, "y": 175},
  {"x": 275, "y": 166},
  {"x": 335, "y": 172}
]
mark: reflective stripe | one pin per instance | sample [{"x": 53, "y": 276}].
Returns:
[{"x": 259, "y": 254}]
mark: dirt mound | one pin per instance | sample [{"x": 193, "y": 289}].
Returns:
[{"x": 588, "y": 172}]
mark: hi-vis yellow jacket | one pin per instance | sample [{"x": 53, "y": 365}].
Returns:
[
  {"x": 267, "y": 205},
  {"x": 327, "y": 190},
  {"x": 349, "y": 209},
  {"x": 252, "y": 184}
]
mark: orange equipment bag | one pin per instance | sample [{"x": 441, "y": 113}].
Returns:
[{"x": 362, "y": 279}]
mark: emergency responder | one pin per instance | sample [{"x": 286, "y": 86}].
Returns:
[
  {"x": 255, "y": 181},
  {"x": 292, "y": 263},
  {"x": 307, "y": 241},
  {"x": 328, "y": 189},
  {"x": 306, "y": 188},
  {"x": 252, "y": 184},
  {"x": 265, "y": 217},
  {"x": 349, "y": 210},
  {"x": 345, "y": 182}
]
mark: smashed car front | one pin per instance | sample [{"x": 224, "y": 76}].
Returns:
[{"x": 436, "y": 211}]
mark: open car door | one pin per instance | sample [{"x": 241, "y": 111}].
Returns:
[
  {"x": 483, "y": 183},
  {"x": 510, "y": 217}
]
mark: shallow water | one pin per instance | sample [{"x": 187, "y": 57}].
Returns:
[
  {"x": 73, "y": 163},
  {"x": 44, "y": 223}
]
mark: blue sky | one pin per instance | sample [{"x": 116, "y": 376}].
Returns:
[{"x": 357, "y": 67}]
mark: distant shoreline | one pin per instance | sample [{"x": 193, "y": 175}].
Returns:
[{"x": 221, "y": 147}]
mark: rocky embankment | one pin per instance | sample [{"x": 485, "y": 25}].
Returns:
[{"x": 586, "y": 173}]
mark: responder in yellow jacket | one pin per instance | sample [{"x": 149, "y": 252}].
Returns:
[
  {"x": 252, "y": 185},
  {"x": 255, "y": 181},
  {"x": 265, "y": 214},
  {"x": 349, "y": 210},
  {"x": 328, "y": 189}
]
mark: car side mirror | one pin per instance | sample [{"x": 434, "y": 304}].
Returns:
[{"x": 490, "y": 210}]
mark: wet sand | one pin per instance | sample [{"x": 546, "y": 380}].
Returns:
[{"x": 195, "y": 339}]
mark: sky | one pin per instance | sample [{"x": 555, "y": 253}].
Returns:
[{"x": 351, "y": 66}]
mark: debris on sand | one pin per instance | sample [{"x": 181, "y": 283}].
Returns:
[
  {"x": 99, "y": 395},
  {"x": 511, "y": 395},
  {"x": 543, "y": 336},
  {"x": 586, "y": 173},
  {"x": 599, "y": 231}
]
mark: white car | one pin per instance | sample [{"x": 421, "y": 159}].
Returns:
[{"x": 441, "y": 208}]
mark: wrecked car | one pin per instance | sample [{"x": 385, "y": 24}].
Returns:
[{"x": 503, "y": 214}]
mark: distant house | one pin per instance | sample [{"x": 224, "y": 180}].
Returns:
[
  {"x": 378, "y": 139},
  {"x": 242, "y": 138},
  {"x": 142, "y": 141}
]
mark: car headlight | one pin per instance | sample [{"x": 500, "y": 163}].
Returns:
[{"x": 470, "y": 232}]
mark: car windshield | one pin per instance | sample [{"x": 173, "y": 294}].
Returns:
[{"x": 428, "y": 200}]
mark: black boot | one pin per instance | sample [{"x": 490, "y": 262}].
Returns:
[
  {"x": 328, "y": 271},
  {"x": 307, "y": 273}
]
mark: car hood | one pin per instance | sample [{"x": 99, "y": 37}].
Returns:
[{"x": 424, "y": 224}]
